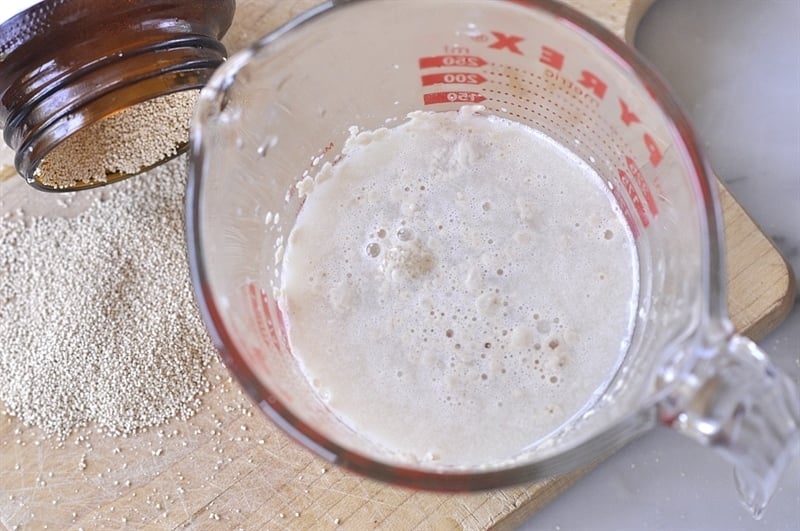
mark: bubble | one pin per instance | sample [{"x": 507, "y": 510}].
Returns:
[
  {"x": 404, "y": 234},
  {"x": 487, "y": 206},
  {"x": 543, "y": 327},
  {"x": 500, "y": 273},
  {"x": 381, "y": 233},
  {"x": 449, "y": 333},
  {"x": 487, "y": 345},
  {"x": 553, "y": 344},
  {"x": 373, "y": 250},
  {"x": 484, "y": 376},
  {"x": 553, "y": 379},
  {"x": 608, "y": 234}
]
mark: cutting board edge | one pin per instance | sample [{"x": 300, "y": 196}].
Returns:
[{"x": 779, "y": 312}]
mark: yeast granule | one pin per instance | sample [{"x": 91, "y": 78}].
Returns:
[
  {"x": 98, "y": 324},
  {"x": 126, "y": 142}
]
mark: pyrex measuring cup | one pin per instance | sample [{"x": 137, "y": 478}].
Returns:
[{"x": 279, "y": 109}]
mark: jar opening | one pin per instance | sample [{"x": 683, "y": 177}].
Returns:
[{"x": 122, "y": 144}]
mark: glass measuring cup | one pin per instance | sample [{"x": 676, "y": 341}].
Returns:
[{"x": 279, "y": 109}]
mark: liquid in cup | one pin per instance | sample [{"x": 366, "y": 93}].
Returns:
[
  {"x": 452, "y": 268},
  {"x": 276, "y": 111}
]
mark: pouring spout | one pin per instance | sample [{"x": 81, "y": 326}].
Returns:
[{"x": 741, "y": 405}]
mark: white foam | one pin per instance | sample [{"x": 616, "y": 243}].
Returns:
[{"x": 459, "y": 286}]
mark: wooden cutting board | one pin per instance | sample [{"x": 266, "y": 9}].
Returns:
[{"x": 228, "y": 467}]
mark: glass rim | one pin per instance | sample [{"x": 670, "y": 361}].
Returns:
[{"x": 573, "y": 458}]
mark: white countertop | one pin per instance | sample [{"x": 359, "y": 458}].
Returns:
[{"x": 735, "y": 66}]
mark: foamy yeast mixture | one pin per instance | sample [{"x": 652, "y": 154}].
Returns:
[{"x": 458, "y": 286}]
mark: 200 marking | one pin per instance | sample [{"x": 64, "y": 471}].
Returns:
[{"x": 461, "y": 78}]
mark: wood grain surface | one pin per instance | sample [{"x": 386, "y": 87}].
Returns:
[{"x": 229, "y": 468}]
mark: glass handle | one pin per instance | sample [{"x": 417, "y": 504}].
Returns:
[{"x": 741, "y": 405}]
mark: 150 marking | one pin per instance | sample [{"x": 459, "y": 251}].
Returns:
[{"x": 462, "y": 96}]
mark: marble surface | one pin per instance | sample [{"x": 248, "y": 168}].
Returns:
[{"x": 735, "y": 66}]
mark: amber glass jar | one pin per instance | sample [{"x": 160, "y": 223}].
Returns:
[{"x": 67, "y": 65}]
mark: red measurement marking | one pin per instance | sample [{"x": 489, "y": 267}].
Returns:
[
  {"x": 652, "y": 147},
  {"x": 450, "y": 97},
  {"x": 450, "y": 60},
  {"x": 256, "y": 356},
  {"x": 282, "y": 327},
  {"x": 265, "y": 330},
  {"x": 460, "y": 78},
  {"x": 634, "y": 196},
  {"x": 279, "y": 333},
  {"x": 641, "y": 182}
]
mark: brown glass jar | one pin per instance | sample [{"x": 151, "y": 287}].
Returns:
[{"x": 66, "y": 66}]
